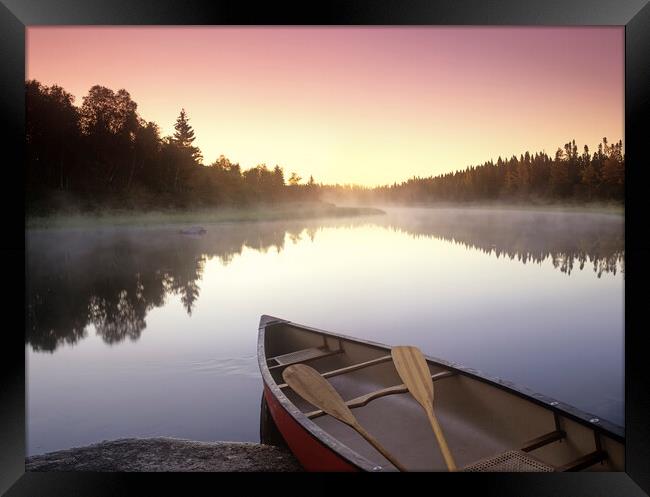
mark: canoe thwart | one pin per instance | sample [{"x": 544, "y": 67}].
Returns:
[
  {"x": 584, "y": 461},
  {"x": 546, "y": 439},
  {"x": 349, "y": 369},
  {"x": 364, "y": 399}
]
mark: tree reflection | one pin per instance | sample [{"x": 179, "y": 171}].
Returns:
[
  {"x": 566, "y": 239},
  {"x": 111, "y": 279}
]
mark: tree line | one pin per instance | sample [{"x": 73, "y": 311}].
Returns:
[
  {"x": 568, "y": 176},
  {"x": 531, "y": 178},
  {"x": 103, "y": 152}
]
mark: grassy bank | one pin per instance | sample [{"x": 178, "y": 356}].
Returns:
[
  {"x": 116, "y": 217},
  {"x": 615, "y": 209},
  {"x": 587, "y": 208}
]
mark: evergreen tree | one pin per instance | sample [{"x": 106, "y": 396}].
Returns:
[
  {"x": 294, "y": 179},
  {"x": 184, "y": 136}
]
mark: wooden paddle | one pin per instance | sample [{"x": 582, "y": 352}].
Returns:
[
  {"x": 412, "y": 368},
  {"x": 311, "y": 386}
]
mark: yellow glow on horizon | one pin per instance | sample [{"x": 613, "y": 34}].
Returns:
[{"x": 369, "y": 106}]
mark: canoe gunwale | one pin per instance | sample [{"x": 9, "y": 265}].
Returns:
[{"x": 602, "y": 426}]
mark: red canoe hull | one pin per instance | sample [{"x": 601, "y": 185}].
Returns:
[{"x": 312, "y": 454}]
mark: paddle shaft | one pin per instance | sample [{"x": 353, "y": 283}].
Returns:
[
  {"x": 442, "y": 443},
  {"x": 413, "y": 369},
  {"x": 380, "y": 448}
]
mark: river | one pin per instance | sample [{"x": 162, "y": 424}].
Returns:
[{"x": 143, "y": 331}]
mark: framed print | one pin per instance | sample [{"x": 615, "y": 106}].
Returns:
[{"x": 357, "y": 237}]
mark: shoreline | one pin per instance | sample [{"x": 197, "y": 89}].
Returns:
[
  {"x": 287, "y": 212},
  {"x": 123, "y": 218},
  {"x": 166, "y": 454},
  {"x": 589, "y": 208}
]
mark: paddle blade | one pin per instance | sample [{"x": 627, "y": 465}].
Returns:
[
  {"x": 413, "y": 369},
  {"x": 311, "y": 386}
]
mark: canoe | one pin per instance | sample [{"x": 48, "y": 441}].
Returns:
[{"x": 489, "y": 424}]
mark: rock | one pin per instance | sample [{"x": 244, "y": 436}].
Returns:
[
  {"x": 194, "y": 230},
  {"x": 166, "y": 454}
]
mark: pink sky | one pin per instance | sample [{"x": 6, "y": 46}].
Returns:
[{"x": 367, "y": 105}]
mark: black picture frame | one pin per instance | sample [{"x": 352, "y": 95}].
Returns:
[{"x": 633, "y": 14}]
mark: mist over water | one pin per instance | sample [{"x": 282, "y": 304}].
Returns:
[{"x": 143, "y": 331}]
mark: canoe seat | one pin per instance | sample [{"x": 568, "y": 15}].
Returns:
[
  {"x": 510, "y": 461},
  {"x": 300, "y": 356}
]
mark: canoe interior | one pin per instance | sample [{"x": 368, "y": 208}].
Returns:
[{"x": 479, "y": 419}]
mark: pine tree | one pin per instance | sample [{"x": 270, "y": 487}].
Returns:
[
  {"x": 184, "y": 136},
  {"x": 294, "y": 179}
]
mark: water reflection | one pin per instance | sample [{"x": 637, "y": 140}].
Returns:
[
  {"x": 568, "y": 239},
  {"x": 111, "y": 279}
]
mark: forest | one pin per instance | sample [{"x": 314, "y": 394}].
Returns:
[
  {"x": 104, "y": 154},
  {"x": 568, "y": 177}
]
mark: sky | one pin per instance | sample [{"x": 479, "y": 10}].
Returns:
[{"x": 363, "y": 105}]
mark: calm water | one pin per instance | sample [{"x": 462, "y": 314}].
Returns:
[{"x": 147, "y": 332}]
